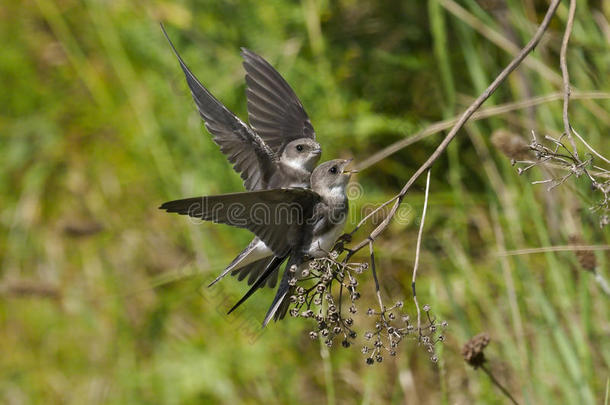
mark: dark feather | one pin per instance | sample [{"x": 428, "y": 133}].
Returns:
[
  {"x": 271, "y": 268},
  {"x": 248, "y": 153},
  {"x": 279, "y": 305},
  {"x": 253, "y": 271},
  {"x": 275, "y": 216},
  {"x": 274, "y": 110}
]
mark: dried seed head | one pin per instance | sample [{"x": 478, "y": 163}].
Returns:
[
  {"x": 510, "y": 144},
  {"x": 586, "y": 258},
  {"x": 473, "y": 349}
]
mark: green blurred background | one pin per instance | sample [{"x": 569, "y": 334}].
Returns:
[{"x": 102, "y": 296}]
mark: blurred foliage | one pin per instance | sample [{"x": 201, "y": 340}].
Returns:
[{"x": 103, "y": 296}]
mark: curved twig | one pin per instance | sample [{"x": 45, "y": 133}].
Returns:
[{"x": 460, "y": 123}]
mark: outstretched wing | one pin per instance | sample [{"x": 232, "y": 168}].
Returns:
[
  {"x": 250, "y": 156},
  {"x": 278, "y": 217},
  {"x": 274, "y": 110}
]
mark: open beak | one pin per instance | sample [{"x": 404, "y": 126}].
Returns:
[{"x": 352, "y": 171}]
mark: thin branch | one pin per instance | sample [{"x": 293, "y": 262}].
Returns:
[
  {"x": 580, "y": 138},
  {"x": 603, "y": 284},
  {"x": 439, "y": 126},
  {"x": 499, "y": 385},
  {"x": 460, "y": 123},
  {"x": 418, "y": 248},
  {"x": 566, "y": 76},
  {"x": 546, "y": 249},
  {"x": 374, "y": 270}
]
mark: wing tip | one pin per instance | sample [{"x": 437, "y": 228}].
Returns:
[{"x": 245, "y": 52}]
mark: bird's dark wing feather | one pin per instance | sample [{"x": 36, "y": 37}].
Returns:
[
  {"x": 274, "y": 110},
  {"x": 250, "y": 156},
  {"x": 276, "y": 216}
]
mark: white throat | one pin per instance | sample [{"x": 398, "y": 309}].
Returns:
[{"x": 294, "y": 164}]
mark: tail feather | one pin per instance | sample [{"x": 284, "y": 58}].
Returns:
[
  {"x": 253, "y": 271},
  {"x": 236, "y": 267},
  {"x": 283, "y": 308},
  {"x": 281, "y": 303},
  {"x": 271, "y": 267}
]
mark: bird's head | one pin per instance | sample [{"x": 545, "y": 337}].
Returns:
[
  {"x": 331, "y": 176},
  {"x": 303, "y": 152}
]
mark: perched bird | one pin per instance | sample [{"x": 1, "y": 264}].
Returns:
[
  {"x": 277, "y": 150},
  {"x": 294, "y": 223}
]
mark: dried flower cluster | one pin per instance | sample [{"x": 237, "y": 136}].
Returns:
[
  {"x": 327, "y": 294},
  {"x": 559, "y": 156},
  {"x": 314, "y": 298},
  {"x": 392, "y": 326},
  {"x": 473, "y": 350}
]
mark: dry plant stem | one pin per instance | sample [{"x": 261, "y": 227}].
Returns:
[
  {"x": 497, "y": 384},
  {"x": 479, "y": 115},
  {"x": 374, "y": 270},
  {"x": 564, "y": 248},
  {"x": 460, "y": 123},
  {"x": 502, "y": 42},
  {"x": 566, "y": 76},
  {"x": 599, "y": 279},
  {"x": 596, "y": 153},
  {"x": 418, "y": 249},
  {"x": 603, "y": 284}
]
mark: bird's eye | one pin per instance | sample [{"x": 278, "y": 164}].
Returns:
[
  {"x": 300, "y": 148},
  {"x": 333, "y": 170}
]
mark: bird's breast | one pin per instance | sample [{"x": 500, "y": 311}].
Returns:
[{"x": 322, "y": 244}]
